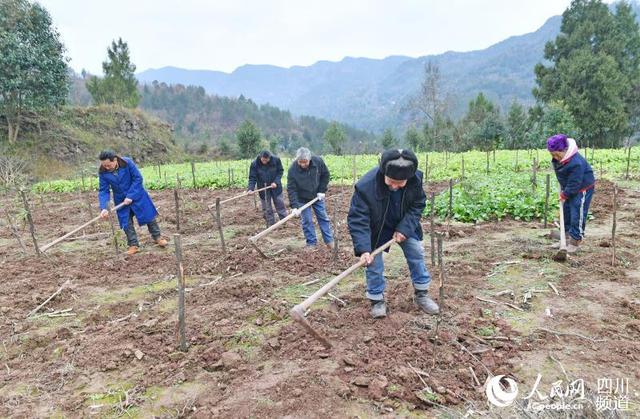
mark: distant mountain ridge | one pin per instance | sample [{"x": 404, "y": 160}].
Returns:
[{"x": 371, "y": 93}]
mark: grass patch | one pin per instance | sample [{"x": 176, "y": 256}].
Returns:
[
  {"x": 248, "y": 341},
  {"x": 486, "y": 331},
  {"x": 139, "y": 292}
]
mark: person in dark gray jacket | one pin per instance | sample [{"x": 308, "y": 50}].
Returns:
[
  {"x": 266, "y": 170},
  {"x": 387, "y": 203},
  {"x": 308, "y": 178}
]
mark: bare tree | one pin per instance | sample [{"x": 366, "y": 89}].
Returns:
[
  {"x": 431, "y": 104},
  {"x": 12, "y": 171}
]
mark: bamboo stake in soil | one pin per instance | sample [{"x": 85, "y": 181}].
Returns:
[
  {"x": 182, "y": 338},
  {"x": 546, "y": 198},
  {"x": 32, "y": 229},
  {"x": 193, "y": 174},
  {"x": 218, "y": 220},
  {"x": 450, "y": 211},
  {"x": 534, "y": 178},
  {"x": 335, "y": 229},
  {"x": 89, "y": 206},
  {"x": 14, "y": 231},
  {"x": 426, "y": 169},
  {"x": 613, "y": 227},
  {"x": 176, "y": 198},
  {"x": 628, "y": 161},
  {"x": 440, "y": 289},
  {"x": 442, "y": 273}
]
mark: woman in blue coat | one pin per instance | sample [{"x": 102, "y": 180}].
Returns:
[{"x": 122, "y": 176}]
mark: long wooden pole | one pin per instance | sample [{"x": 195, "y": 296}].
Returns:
[
  {"x": 281, "y": 222},
  {"x": 75, "y": 230},
  {"x": 298, "y": 311},
  {"x": 628, "y": 161},
  {"x": 243, "y": 194},
  {"x": 182, "y": 338},
  {"x": 32, "y": 229}
]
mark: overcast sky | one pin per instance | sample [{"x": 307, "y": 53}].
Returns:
[{"x": 225, "y": 34}]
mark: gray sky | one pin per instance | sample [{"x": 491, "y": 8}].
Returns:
[{"x": 225, "y": 34}]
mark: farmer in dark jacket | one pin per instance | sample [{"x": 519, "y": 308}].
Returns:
[
  {"x": 577, "y": 184},
  {"x": 122, "y": 176},
  {"x": 387, "y": 203},
  {"x": 266, "y": 170},
  {"x": 308, "y": 178}
]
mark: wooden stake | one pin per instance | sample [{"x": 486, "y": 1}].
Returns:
[
  {"x": 628, "y": 160},
  {"x": 488, "y": 162},
  {"x": 14, "y": 231},
  {"x": 546, "y": 198},
  {"x": 442, "y": 273},
  {"x": 450, "y": 211},
  {"x": 534, "y": 172},
  {"x": 193, "y": 174},
  {"x": 176, "y": 198},
  {"x": 515, "y": 168},
  {"x": 32, "y": 229},
  {"x": 218, "y": 220},
  {"x": 182, "y": 338},
  {"x": 426, "y": 168},
  {"x": 433, "y": 229},
  {"x": 354, "y": 170},
  {"x": 462, "y": 174},
  {"x": 89, "y": 207},
  {"x": 613, "y": 227},
  {"x": 335, "y": 229}
]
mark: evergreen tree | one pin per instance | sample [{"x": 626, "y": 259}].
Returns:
[
  {"x": 595, "y": 70},
  {"x": 412, "y": 138},
  {"x": 335, "y": 137},
  {"x": 119, "y": 84},
  {"x": 33, "y": 69},
  {"x": 388, "y": 140},
  {"x": 248, "y": 138}
]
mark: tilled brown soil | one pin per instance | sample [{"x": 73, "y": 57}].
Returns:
[{"x": 116, "y": 353}]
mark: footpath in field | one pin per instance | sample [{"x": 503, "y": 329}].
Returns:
[{"x": 106, "y": 345}]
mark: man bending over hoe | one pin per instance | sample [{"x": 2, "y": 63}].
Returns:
[
  {"x": 122, "y": 176},
  {"x": 387, "y": 203}
]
